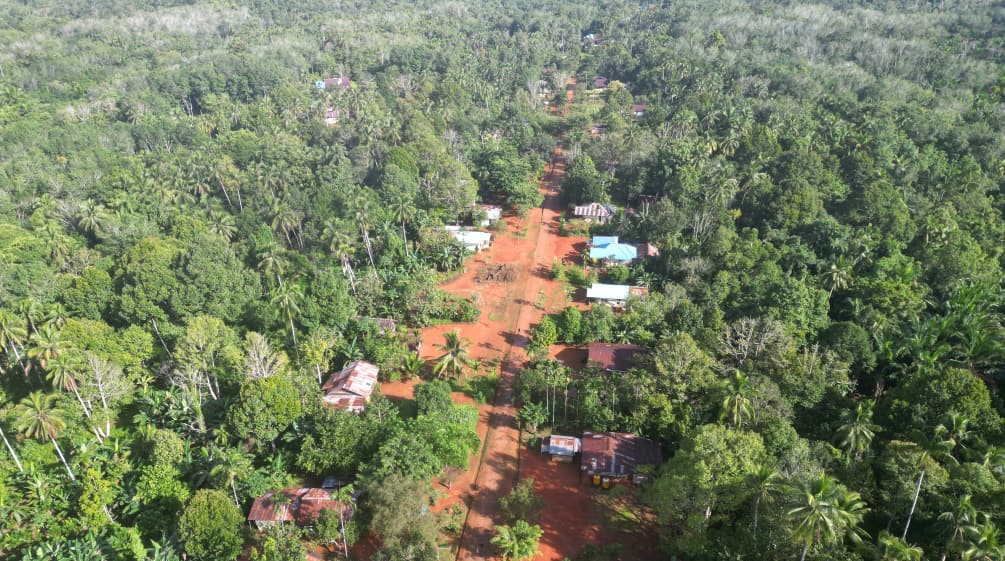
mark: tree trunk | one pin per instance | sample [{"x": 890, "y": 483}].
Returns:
[
  {"x": 757, "y": 505},
  {"x": 63, "y": 458},
  {"x": 293, "y": 332},
  {"x": 234, "y": 489},
  {"x": 12, "y": 452},
  {"x": 914, "y": 503},
  {"x": 404, "y": 237},
  {"x": 805, "y": 549}
]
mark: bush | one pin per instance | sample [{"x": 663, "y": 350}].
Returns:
[
  {"x": 523, "y": 503},
  {"x": 579, "y": 276},
  {"x": 618, "y": 275}
]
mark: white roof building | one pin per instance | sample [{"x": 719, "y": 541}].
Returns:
[
  {"x": 472, "y": 240},
  {"x": 608, "y": 292}
]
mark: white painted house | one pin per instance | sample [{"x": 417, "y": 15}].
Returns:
[{"x": 472, "y": 239}]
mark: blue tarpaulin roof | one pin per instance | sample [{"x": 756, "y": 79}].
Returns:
[
  {"x": 603, "y": 240},
  {"x": 614, "y": 251}
]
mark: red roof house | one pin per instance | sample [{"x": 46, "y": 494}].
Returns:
[
  {"x": 350, "y": 388},
  {"x": 614, "y": 357},
  {"x": 300, "y": 506},
  {"x": 340, "y": 82},
  {"x": 618, "y": 455}
]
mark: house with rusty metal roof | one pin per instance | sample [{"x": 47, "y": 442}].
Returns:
[
  {"x": 614, "y": 357},
  {"x": 350, "y": 388},
  {"x": 594, "y": 212},
  {"x": 300, "y": 506},
  {"x": 561, "y": 448},
  {"x": 618, "y": 455}
]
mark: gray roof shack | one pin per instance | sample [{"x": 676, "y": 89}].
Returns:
[
  {"x": 618, "y": 455},
  {"x": 561, "y": 448},
  {"x": 350, "y": 388}
]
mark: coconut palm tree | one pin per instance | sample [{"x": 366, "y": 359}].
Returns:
[
  {"x": 762, "y": 484},
  {"x": 403, "y": 211},
  {"x": 12, "y": 335},
  {"x": 286, "y": 298},
  {"x": 62, "y": 372},
  {"x": 827, "y": 512},
  {"x": 737, "y": 406},
  {"x": 518, "y": 541},
  {"x": 857, "y": 430},
  {"x": 42, "y": 419},
  {"x": 985, "y": 545},
  {"x": 231, "y": 465},
  {"x": 344, "y": 497},
  {"x": 892, "y": 548},
  {"x": 10, "y": 448},
  {"x": 839, "y": 275},
  {"x": 46, "y": 344},
  {"x": 962, "y": 525},
  {"x": 455, "y": 355},
  {"x": 955, "y": 428}
]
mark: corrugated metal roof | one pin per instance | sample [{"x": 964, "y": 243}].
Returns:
[
  {"x": 614, "y": 251},
  {"x": 300, "y": 506},
  {"x": 594, "y": 210},
  {"x": 358, "y": 377},
  {"x": 350, "y": 388},
  {"x": 613, "y": 356},
  {"x": 618, "y": 454},
  {"x": 386, "y": 325},
  {"x": 601, "y": 291},
  {"x": 561, "y": 445}
]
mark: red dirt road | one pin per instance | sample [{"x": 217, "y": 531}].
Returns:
[{"x": 533, "y": 255}]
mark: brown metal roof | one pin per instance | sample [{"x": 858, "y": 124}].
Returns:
[
  {"x": 300, "y": 506},
  {"x": 617, "y": 453},
  {"x": 614, "y": 357},
  {"x": 358, "y": 377}
]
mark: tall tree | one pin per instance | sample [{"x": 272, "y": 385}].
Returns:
[
  {"x": 454, "y": 359},
  {"x": 857, "y": 431},
  {"x": 826, "y": 513},
  {"x": 518, "y": 541},
  {"x": 40, "y": 418}
]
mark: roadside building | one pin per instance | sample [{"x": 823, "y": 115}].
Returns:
[
  {"x": 617, "y": 456},
  {"x": 300, "y": 506},
  {"x": 614, "y": 357},
  {"x": 350, "y": 388},
  {"x": 561, "y": 448},
  {"x": 594, "y": 212}
]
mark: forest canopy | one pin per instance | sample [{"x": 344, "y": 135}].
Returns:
[{"x": 193, "y": 233}]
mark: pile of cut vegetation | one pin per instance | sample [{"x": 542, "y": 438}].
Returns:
[{"x": 496, "y": 272}]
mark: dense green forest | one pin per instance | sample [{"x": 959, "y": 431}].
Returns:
[{"x": 187, "y": 246}]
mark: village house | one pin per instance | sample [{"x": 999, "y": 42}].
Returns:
[
  {"x": 561, "y": 448},
  {"x": 614, "y": 295},
  {"x": 332, "y": 115},
  {"x": 614, "y": 357},
  {"x": 337, "y": 83},
  {"x": 384, "y": 325},
  {"x": 350, "y": 388},
  {"x": 299, "y": 506},
  {"x": 600, "y": 83},
  {"x": 617, "y": 456},
  {"x": 594, "y": 212},
  {"x": 473, "y": 240},
  {"x": 493, "y": 214},
  {"x": 607, "y": 250},
  {"x": 639, "y": 110}
]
